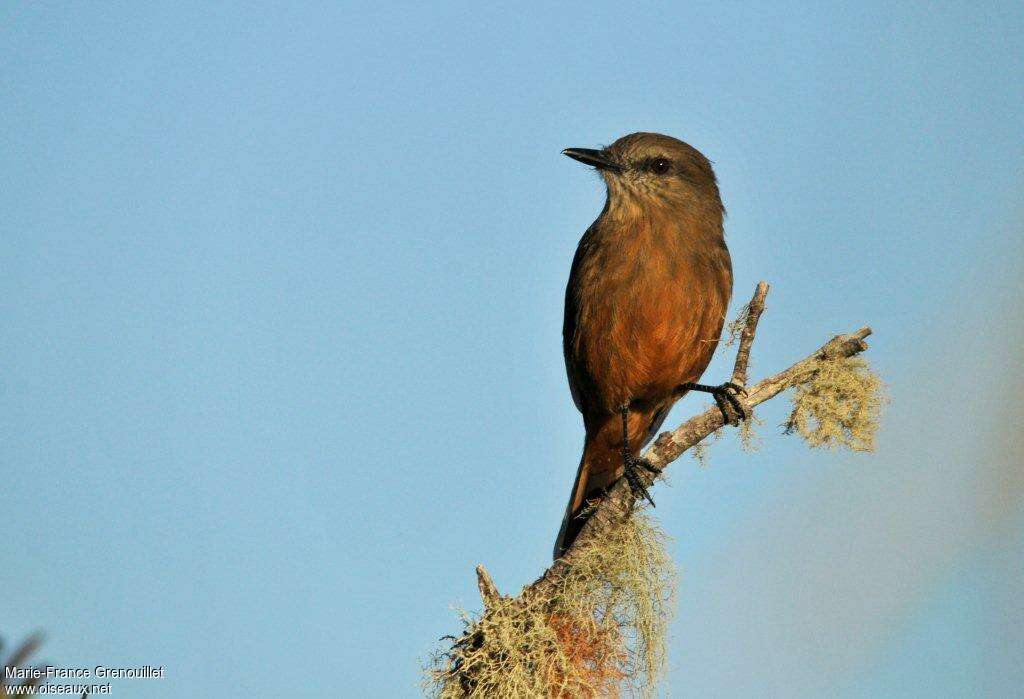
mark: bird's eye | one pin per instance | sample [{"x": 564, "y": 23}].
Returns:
[{"x": 659, "y": 166}]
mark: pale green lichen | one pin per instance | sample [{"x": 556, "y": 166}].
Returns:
[
  {"x": 602, "y": 632},
  {"x": 734, "y": 330},
  {"x": 839, "y": 406},
  {"x": 750, "y": 440}
]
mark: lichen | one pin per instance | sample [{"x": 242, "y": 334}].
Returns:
[
  {"x": 734, "y": 329},
  {"x": 750, "y": 440},
  {"x": 602, "y": 631},
  {"x": 699, "y": 451},
  {"x": 839, "y": 406}
]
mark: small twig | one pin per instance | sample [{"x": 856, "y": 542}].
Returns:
[
  {"x": 754, "y": 310},
  {"x": 25, "y": 650},
  {"x": 488, "y": 590}
]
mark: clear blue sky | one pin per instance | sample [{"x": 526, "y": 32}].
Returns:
[{"x": 281, "y": 304}]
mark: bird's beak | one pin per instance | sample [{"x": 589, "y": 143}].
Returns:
[{"x": 600, "y": 159}]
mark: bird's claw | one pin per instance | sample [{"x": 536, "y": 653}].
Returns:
[
  {"x": 740, "y": 390},
  {"x": 728, "y": 393},
  {"x": 631, "y": 473},
  {"x": 726, "y": 397},
  {"x": 731, "y": 393},
  {"x": 589, "y": 508}
]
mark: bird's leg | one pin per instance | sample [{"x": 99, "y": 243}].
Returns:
[
  {"x": 725, "y": 396},
  {"x": 631, "y": 463}
]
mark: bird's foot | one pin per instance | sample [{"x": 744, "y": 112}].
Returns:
[
  {"x": 632, "y": 465},
  {"x": 589, "y": 508},
  {"x": 727, "y": 398}
]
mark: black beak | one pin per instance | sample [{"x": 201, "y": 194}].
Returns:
[{"x": 588, "y": 156}]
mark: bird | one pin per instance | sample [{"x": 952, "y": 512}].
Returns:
[{"x": 645, "y": 305}]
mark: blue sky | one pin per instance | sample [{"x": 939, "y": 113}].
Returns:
[{"x": 282, "y": 309}]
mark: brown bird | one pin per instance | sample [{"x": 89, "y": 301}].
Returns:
[{"x": 644, "y": 308}]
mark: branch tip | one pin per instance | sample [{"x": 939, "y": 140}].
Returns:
[
  {"x": 488, "y": 590},
  {"x": 753, "y": 314}
]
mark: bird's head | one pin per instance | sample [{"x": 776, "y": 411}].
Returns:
[{"x": 654, "y": 168}]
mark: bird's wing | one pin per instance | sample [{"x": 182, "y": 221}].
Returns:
[{"x": 581, "y": 383}]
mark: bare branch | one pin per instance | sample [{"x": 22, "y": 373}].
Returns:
[
  {"x": 25, "y": 650},
  {"x": 754, "y": 310},
  {"x": 488, "y": 590}
]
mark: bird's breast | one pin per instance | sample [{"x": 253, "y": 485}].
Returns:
[{"x": 649, "y": 317}]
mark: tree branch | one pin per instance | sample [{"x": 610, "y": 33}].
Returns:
[
  {"x": 753, "y": 314},
  {"x": 669, "y": 446},
  {"x": 488, "y": 590}
]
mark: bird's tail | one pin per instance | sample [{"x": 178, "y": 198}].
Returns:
[{"x": 598, "y": 470}]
